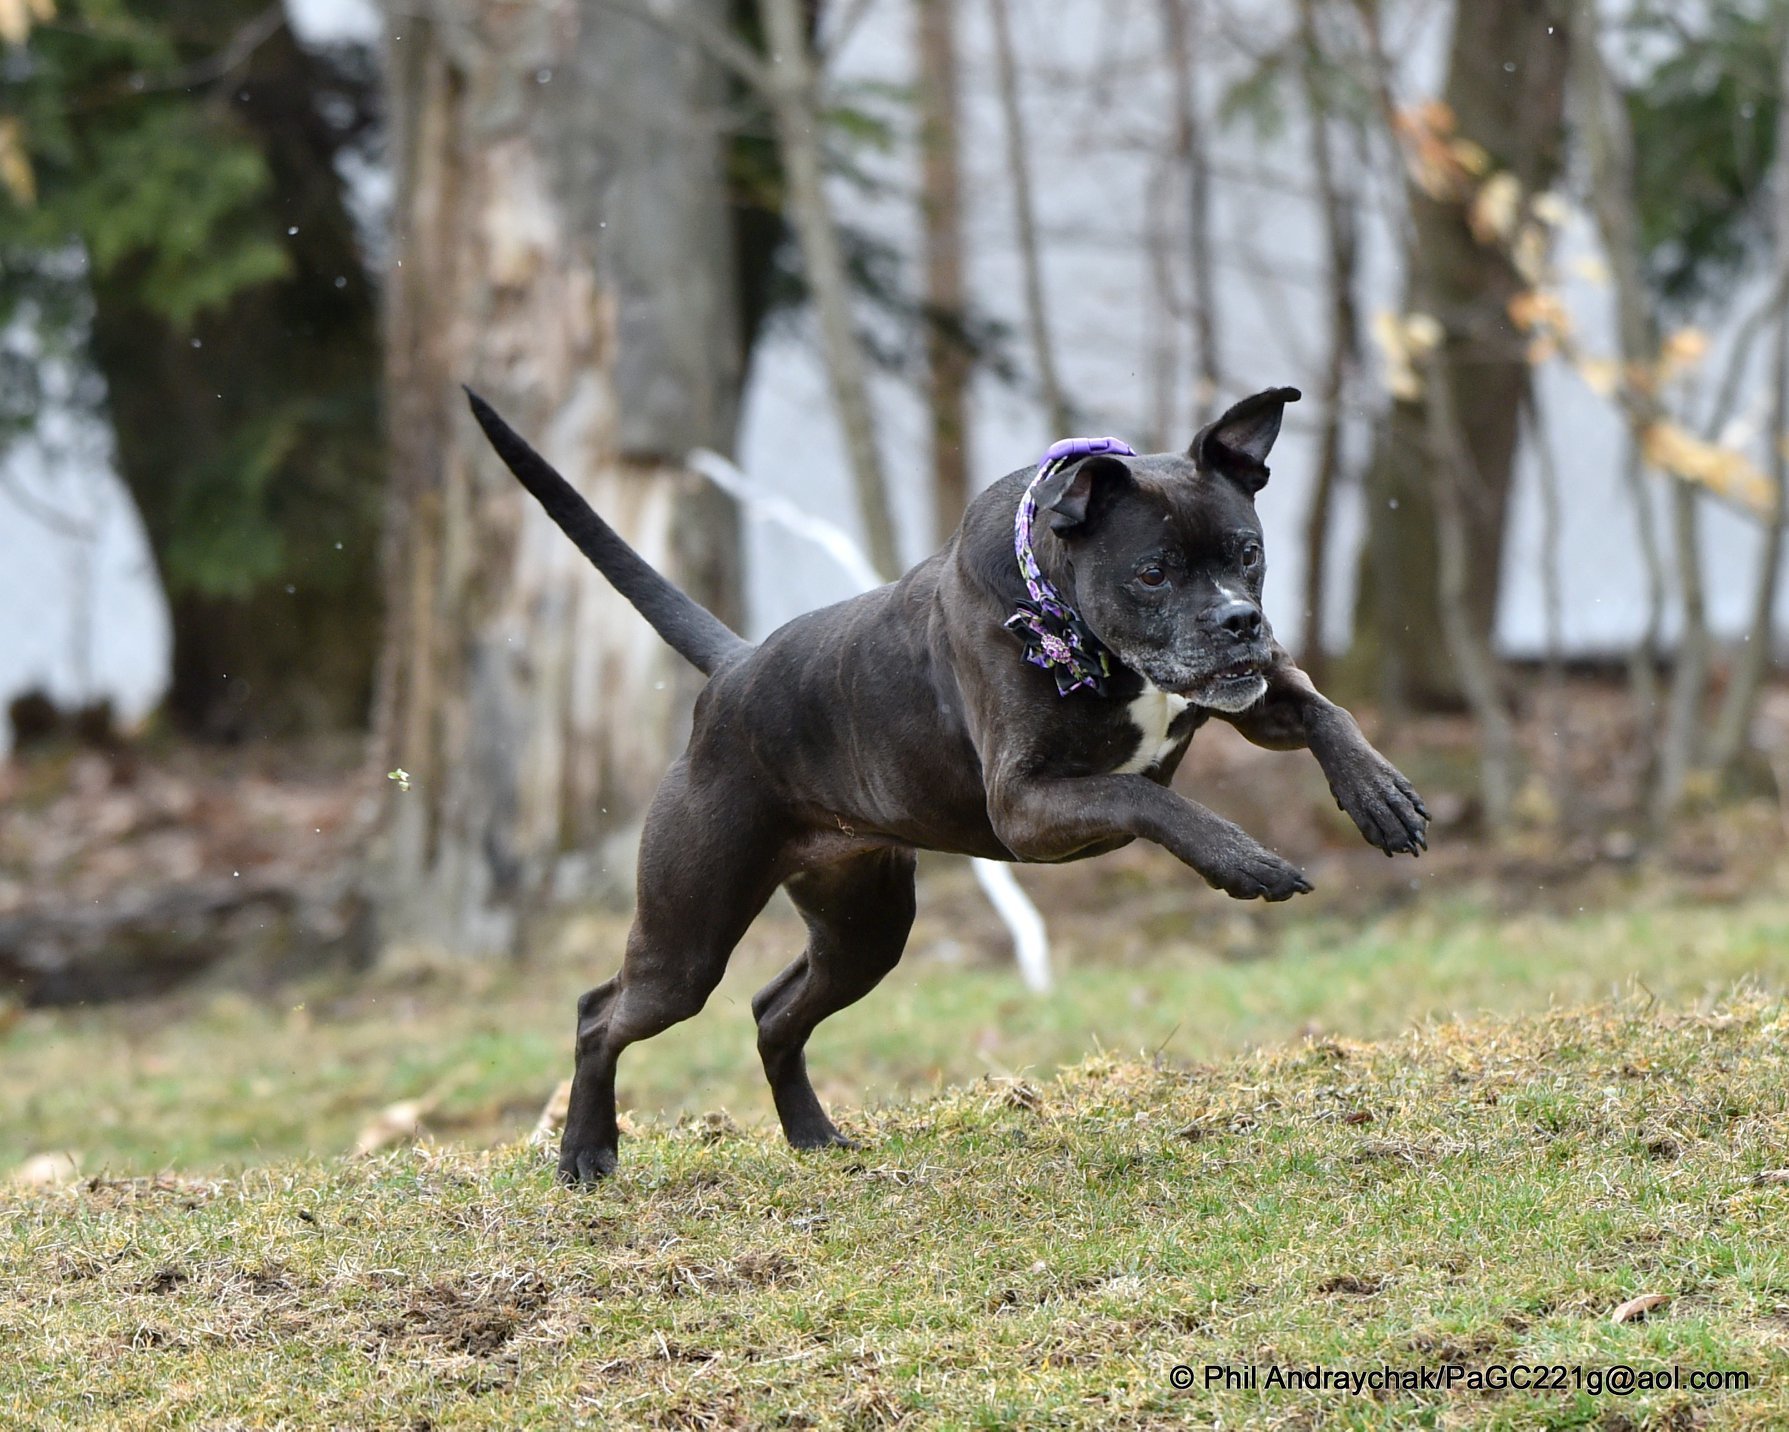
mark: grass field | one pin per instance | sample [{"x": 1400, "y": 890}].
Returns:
[
  {"x": 1016, "y": 1253},
  {"x": 1226, "y": 1176},
  {"x": 210, "y": 1082}
]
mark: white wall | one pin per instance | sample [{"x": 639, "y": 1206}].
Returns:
[{"x": 81, "y": 609}]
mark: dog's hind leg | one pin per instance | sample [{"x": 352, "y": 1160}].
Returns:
[
  {"x": 700, "y": 886},
  {"x": 858, "y": 913}
]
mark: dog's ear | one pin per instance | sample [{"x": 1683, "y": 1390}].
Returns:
[
  {"x": 1236, "y": 445},
  {"x": 1075, "y": 497}
]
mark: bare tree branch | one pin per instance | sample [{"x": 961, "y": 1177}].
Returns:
[
  {"x": 1019, "y": 163},
  {"x": 721, "y": 45},
  {"x": 1733, "y": 726},
  {"x": 42, "y": 512},
  {"x": 1161, "y": 314},
  {"x": 840, "y": 32},
  {"x": 1739, "y": 355},
  {"x": 1472, "y": 654},
  {"x": 212, "y": 68}
]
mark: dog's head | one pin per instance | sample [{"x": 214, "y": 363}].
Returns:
[{"x": 1164, "y": 555}]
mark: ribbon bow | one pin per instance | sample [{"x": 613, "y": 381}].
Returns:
[{"x": 1052, "y": 632}]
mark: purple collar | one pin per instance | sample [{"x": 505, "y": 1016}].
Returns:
[{"x": 1051, "y": 631}]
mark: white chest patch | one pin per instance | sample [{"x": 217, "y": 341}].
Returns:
[{"x": 1152, "y": 714}]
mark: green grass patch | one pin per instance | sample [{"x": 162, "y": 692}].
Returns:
[
  {"x": 1036, "y": 1252},
  {"x": 218, "y": 1082}
]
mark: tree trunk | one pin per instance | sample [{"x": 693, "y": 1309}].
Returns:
[
  {"x": 1180, "y": 19},
  {"x": 1517, "y": 116},
  {"x": 1610, "y": 142},
  {"x": 561, "y": 243},
  {"x": 1341, "y": 251},
  {"x": 795, "y": 100},
  {"x": 1556, "y": 713},
  {"x": 1455, "y": 475},
  {"x": 249, "y": 442},
  {"x": 941, "y": 211}
]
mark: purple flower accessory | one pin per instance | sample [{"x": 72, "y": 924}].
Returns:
[{"x": 1051, "y": 631}]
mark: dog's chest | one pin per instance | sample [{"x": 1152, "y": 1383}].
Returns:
[{"x": 1153, "y": 713}]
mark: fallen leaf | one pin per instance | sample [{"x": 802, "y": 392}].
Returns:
[
  {"x": 46, "y": 1170},
  {"x": 1639, "y": 1307},
  {"x": 396, "y": 1123},
  {"x": 1017, "y": 1094},
  {"x": 552, "y": 1114}
]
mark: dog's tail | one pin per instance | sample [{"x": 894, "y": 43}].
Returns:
[{"x": 694, "y": 633}]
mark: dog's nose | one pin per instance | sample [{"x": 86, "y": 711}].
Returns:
[{"x": 1241, "y": 619}]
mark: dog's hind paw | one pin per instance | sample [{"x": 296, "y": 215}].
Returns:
[
  {"x": 585, "y": 1166},
  {"x": 827, "y": 1138}
]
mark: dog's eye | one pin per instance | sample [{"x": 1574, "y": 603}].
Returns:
[
  {"x": 1152, "y": 575},
  {"x": 1251, "y": 555}
]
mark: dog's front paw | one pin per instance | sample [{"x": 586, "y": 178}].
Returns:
[
  {"x": 1253, "y": 872},
  {"x": 1384, "y": 805}
]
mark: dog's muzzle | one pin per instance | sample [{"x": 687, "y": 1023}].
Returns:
[{"x": 1232, "y": 688}]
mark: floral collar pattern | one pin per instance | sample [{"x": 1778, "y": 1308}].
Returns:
[{"x": 1052, "y": 632}]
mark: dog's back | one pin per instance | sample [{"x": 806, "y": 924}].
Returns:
[{"x": 850, "y": 715}]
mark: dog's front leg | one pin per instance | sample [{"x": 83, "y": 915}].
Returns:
[
  {"x": 1052, "y": 818},
  {"x": 1374, "y": 793}
]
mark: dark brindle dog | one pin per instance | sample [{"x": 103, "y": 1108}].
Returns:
[{"x": 1025, "y": 694}]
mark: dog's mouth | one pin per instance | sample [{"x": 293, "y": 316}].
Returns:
[
  {"x": 1234, "y": 686},
  {"x": 1245, "y": 669}
]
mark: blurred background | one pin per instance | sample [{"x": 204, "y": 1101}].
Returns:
[{"x": 326, "y": 752}]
